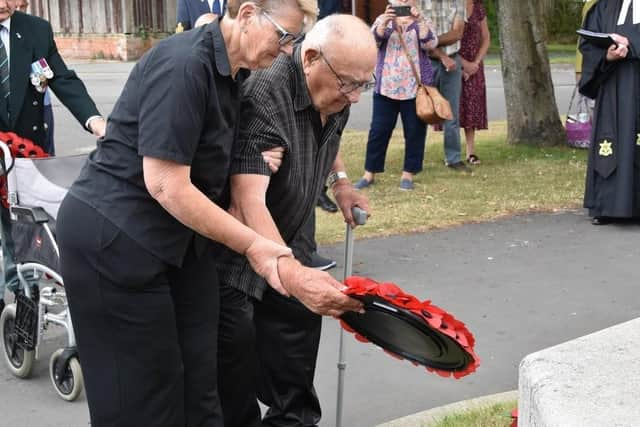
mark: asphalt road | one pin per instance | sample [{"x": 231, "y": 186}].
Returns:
[
  {"x": 520, "y": 284},
  {"x": 105, "y": 81}
]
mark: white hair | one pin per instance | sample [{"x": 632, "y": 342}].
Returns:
[{"x": 336, "y": 28}]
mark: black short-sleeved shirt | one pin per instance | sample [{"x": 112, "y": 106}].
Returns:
[
  {"x": 277, "y": 112},
  {"x": 181, "y": 104}
]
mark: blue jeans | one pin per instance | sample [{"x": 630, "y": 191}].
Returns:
[
  {"x": 449, "y": 83},
  {"x": 383, "y": 121}
]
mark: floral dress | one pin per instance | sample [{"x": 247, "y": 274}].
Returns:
[{"x": 473, "y": 100}]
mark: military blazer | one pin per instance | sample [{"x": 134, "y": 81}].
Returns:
[{"x": 31, "y": 39}]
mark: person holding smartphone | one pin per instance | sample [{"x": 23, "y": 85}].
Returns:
[{"x": 396, "y": 88}]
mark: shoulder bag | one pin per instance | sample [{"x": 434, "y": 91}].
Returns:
[{"x": 431, "y": 107}]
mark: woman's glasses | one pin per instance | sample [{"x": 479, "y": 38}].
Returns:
[{"x": 285, "y": 36}]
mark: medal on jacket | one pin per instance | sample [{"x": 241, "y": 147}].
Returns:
[{"x": 40, "y": 74}]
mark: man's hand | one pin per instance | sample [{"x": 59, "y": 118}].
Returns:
[
  {"x": 273, "y": 158},
  {"x": 263, "y": 255},
  {"x": 98, "y": 126},
  {"x": 448, "y": 63},
  {"x": 347, "y": 198},
  {"x": 619, "y": 51},
  {"x": 316, "y": 289}
]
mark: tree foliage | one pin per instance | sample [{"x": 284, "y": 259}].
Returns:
[{"x": 561, "y": 17}]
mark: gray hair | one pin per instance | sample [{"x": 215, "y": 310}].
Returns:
[{"x": 308, "y": 7}]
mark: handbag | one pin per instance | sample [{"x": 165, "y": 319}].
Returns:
[
  {"x": 578, "y": 124},
  {"x": 431, "y": 107}
]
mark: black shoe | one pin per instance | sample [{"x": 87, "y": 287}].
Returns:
[
  {"x": 460, "y": 167},
  {"x": 601, "y": 220},
  {"x": 326, "y": 203},
  {"x": 321, "y": 263}
]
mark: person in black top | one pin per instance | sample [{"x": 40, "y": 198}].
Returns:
[
  {"x": 610, "y": 76},
  {"x": 136, "y": 229},
  {"x": 302, "y": 104}
]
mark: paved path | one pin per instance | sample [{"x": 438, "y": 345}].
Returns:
[{"x": 520, "y": 284}]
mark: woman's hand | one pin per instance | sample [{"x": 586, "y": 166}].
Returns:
[
  {"x": 620, "y": 50},
  {"x": 472, "y": 68},
  {"x": 388, "y": 16},
  {"x": 416, "y": 14}
]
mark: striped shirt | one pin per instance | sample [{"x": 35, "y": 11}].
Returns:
[
  {"x": 277, "y": 112},
  {"x": 5, "y": 36}
]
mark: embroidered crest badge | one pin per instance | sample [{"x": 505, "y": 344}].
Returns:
[{"x": 605, "y": 149}]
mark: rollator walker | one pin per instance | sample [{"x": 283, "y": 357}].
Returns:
[{"x": 35, "y": 188}]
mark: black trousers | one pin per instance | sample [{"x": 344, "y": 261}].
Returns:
[
  {"x": 146, "y": 331},
  {"x": 267, "y": 349}
]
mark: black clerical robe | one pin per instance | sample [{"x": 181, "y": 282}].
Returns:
[{"x": 613, "y": 171}]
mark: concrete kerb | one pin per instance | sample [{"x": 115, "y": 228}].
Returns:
[{"x": 426, "y": 418}]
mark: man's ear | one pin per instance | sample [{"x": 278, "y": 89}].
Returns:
[
  {"x": 309, "y": 56},
  {"x": 246, "y": 12}
]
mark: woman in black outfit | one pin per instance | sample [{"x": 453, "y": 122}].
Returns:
[{"x": 136, "y": 228}]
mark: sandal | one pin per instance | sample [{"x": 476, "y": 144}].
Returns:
[{"x": 473, "y": 159}]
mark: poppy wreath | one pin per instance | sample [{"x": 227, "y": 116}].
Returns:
[
  {"x": 434, "y": 316},
  {"x": 19, "y": 147}
]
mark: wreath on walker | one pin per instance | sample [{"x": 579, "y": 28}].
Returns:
[{"x": 19, "y": 147}]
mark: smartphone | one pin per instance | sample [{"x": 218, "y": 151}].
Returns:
[{"x": 402, "y": 10}]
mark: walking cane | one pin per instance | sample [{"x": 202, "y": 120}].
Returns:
[{"x": 360, "y": 218}]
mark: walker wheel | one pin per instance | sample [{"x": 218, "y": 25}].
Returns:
[
  {"x": 70, "y": 384},
  {"x": 19, "y": 360}
]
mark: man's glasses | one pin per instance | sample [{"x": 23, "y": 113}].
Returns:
[
  {"x": 285, "y": 36},
  {"x": 347, "y": 87}
]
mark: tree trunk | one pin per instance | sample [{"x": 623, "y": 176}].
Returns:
[{"x": 532, "y": 115}]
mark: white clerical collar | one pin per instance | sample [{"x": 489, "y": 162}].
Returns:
[{"x": 626, "y": 4}]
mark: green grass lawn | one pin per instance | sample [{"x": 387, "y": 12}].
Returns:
[
  {"x": 511, "y": 179},
  {"x": 492, "y": 416}
]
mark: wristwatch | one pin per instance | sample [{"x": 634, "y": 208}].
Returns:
[{"x": 334, "y": 176}]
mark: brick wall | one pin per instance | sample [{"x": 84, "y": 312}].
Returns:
[{"x": 123, "y": 47}]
